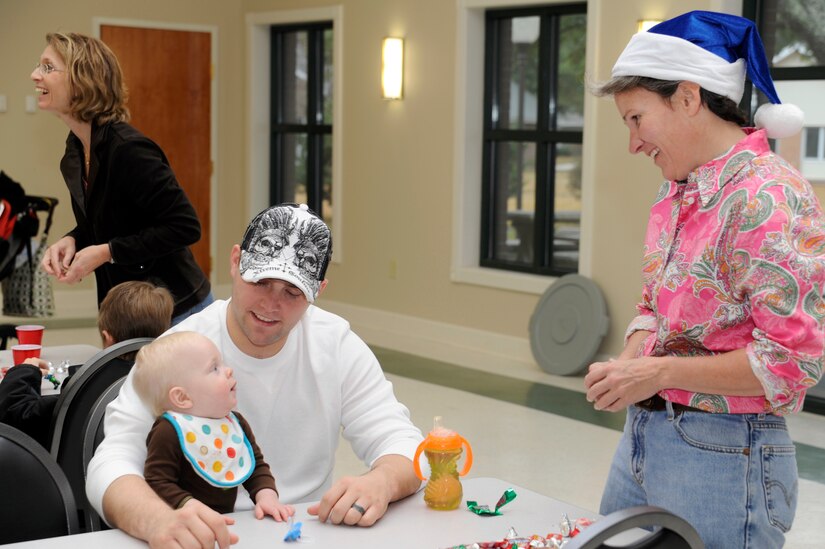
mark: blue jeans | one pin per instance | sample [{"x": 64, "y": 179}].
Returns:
[
  {"x": 732, "y": 476},
  {"x": 208, "y": 300}
]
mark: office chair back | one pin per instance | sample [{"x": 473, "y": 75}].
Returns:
[
  {"x": 92, "y": 437},
  {"x": 672, "y": 531},
  {"x": 37, "y": 501},
  {"x": 7, "y": 333},
  {"x": 71, "y": 413}
]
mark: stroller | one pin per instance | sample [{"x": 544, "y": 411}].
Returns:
[{"x": 27, "y": 289}]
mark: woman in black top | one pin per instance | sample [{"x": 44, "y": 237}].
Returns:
[{"x": 134, "y": 221}]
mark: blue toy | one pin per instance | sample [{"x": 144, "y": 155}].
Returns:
[{"x": 294, "y": 532}]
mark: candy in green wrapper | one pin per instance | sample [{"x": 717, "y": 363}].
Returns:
[{"x": 485, "y": 511}]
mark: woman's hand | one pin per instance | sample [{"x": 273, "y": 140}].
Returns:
[
  {"x": 614, "y": 385},
  {"x": 59, "y": 256},
  {"x": 85, "y": 262}
]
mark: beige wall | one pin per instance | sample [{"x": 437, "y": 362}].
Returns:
[{"x": 398, "y": 157}]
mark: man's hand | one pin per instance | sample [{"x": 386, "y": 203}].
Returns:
[
  {"x": 338, "y": 504},
  {"x": 193, "y": 526},
  {"x": 131, "y": 505},
  {"x": 363, "y": 500}
]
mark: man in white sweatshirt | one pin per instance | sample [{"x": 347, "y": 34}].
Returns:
[{"x": 302, "y": 374}]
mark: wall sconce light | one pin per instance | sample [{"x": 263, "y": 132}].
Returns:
[
  {"x": 645, "y": 24},
  {"x": 392, "y": 68}
]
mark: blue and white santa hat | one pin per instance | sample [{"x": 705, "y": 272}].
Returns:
[{"x": 715, "y": 50}]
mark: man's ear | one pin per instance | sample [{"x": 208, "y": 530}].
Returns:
[
  {"x": 235, "y": 259},
  {"x": 322, "y": 286},
  {"x": 179, "y": 398}
]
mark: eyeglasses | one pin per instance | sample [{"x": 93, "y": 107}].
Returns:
[{"x": 47, "y": 68}]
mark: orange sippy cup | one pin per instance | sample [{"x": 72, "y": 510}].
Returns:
[{"x": 443, "y": 450}]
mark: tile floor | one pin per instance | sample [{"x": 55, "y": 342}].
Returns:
[{"x": 538, "y": 432}]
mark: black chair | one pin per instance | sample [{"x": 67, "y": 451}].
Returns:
[
  {"x": 37, "y": 501},
  {"x": 71, "y": 413},
  {"x": 92, "y": 437},
  {"x": 7, "y": 332},
  {"x": 671, "y": 531}
]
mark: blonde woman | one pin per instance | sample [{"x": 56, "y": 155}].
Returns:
[{"x": 134, "y": 222}]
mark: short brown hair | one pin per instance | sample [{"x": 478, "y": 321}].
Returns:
[
  {"x": 96, "y": 84},
  {"x": 135, "y": 309}
]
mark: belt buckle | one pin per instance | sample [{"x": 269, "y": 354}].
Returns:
[{"x": 649, "y": 404}]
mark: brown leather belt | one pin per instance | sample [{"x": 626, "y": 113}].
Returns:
[{"x": 657, "y": 404}]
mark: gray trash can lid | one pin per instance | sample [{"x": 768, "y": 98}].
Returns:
[{"x": 568, "y": 325}]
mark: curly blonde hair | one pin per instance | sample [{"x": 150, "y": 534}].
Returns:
[{"x": 96, "y": 84}]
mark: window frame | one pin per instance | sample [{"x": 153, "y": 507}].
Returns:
[
  {"x": 820, "y": 144},
  {"x": 468, "y": 113},
  {"x": 544, "y": 137},
  {"x": 754, "y": 10},
  {"x": 315, "y": 129}
]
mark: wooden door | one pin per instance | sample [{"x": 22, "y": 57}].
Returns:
[{"x": 168, "y": 74}]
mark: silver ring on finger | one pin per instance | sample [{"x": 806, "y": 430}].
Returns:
[{"x": 358, "y": 508}]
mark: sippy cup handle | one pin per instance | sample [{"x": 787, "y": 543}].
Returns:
[
  {"x": 468, "y": 459},
  {"x": 416, "y": 465}
]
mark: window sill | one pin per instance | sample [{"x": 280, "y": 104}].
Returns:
[{"x": 503, "y": 280}]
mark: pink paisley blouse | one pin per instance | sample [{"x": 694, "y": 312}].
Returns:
[{"x": 734, "y": 258}]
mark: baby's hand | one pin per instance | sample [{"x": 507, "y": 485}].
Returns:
[
  {"x": 40, "y": 363},
  {"x": 267, "y": 503}
]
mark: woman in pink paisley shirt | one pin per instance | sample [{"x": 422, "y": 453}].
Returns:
[{"x": 731, "y": 326}]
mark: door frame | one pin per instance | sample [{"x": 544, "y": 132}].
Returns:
[
  {"x": 258, "y": 89},
  {"x": 98, "y": 22}
]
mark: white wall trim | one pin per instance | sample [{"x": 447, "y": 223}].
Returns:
[
  {"x": 438, "y": 340},
  {"x": 97, "y": 22},
  {"x": 257, "y": 24},
  {"x": 471, "y": 348}
]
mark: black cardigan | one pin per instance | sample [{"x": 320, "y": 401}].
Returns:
[{"x": 135, "y": 204}]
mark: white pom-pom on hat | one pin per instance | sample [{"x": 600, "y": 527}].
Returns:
[{"x": 779, "y": 120}]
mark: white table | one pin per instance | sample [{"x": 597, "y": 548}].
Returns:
[
  {"x": 407, "y": 524},
  {"x": 75, "y": 354}
]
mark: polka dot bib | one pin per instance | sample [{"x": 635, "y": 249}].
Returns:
[{"x": 217, "y": 448}]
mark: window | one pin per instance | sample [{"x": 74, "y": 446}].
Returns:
[
  {"x": 532, "y": 138},
  {"x": 795, "y": 46},
  {"x": 814, "y": 141},
  {"x": 301, "y": 116}
]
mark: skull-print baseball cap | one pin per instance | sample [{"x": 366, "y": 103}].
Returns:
[{"x": 288, "y": 242}]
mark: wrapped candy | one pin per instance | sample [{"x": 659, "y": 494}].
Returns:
[
  {"x": 485, "y": 511},
  {"x": 512, "y": 540}
]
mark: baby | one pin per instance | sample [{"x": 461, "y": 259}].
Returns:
[{"x": 198, "y": 447}]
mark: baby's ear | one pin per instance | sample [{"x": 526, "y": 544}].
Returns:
[{"x": 179, "y": 398}]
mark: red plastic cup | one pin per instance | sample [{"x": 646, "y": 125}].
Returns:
[
  {"x": 30, "y": 333},
  {"x": 24, "y": 351}
]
